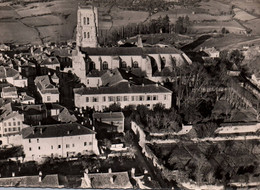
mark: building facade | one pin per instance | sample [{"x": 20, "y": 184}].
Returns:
[
  {"x": 60, "y": 140},
  {"x": 123, "y": 94},
  {"x": 49, "y": 93}
]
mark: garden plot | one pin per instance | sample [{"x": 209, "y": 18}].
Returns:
[
  {"x": 43, "y": 20},
  {"x": 215, "y": 7},
  {"x": 242, "y": 15},
  {"x": 8, "y": 13}
]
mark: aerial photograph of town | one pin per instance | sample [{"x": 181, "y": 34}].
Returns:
[{"x": 130, "y": 94}]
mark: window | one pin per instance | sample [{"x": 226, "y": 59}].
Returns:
[
  {"x": 87, "y": 81},
  {"x": 30, "y": 141},
  {"x": 9, "y": 129},
  {"x": 118, "y": 98},
  {"x": 135, "y": 64},
  {"x": 51, "y": 147},
  {"x": 105, "y": 65},
  {"x": 73, "y": 145},
  {"x": 141, "y": 98},
  {"x": 110, "y": 98},
  {"x": 133, "y": 98},
  {"x": 5, "y": 129},
  {"x": 18, "y": 122},
  {"x": 87, "y": 99},
  {"x": 39, "y": 148},
  {"x": 30, "y": 149},
  {"x": 19, "y": 129},
  {"x": 90, "y": 143},
  {"x": 95, "y": 99},
  {"x": 88, "y": 35},
  {"x": 14, "y": 128},
  {"x": 85, "y": 143},
  {"x": 48, "y": 98},
  {"x": 125, "y": 98},
  {"x": 67, "y": 145},
  {"x": 87, "y": 20},
  {"x": 84, "y": 20},
  {"x": 104, "y": 98},
  {"x": 4, "y": 124},
  {"x": 59, "y": 146},
  {"x": 37, "y": 140},
  {"x": 9, "y": 123},
  {"x": 123, "y": 64},
  {"x": 148, "y": 98},
  {"x": 84, "y": 34},
  {"x": 155, "y": 97},
  {"x": 165, "y": 97}
]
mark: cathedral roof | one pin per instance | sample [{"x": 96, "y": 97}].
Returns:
[{"x": 113, "y": 51}]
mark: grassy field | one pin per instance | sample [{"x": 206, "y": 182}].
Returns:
[
  {"x": 227, "y": 41},
  {"x": 242, "y": 15},
  {"x": 215, "y": 7}
]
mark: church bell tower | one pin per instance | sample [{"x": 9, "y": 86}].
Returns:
[{"x": 87, "y": 26}]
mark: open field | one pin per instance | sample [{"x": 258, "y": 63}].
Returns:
[
  {"x": 231, "y": 26},
  {"x": 229, "y": 41},
  {"x": 215, "y": 7},
  {"x": 242, "y": 15},
  {"x": 254, "y": 25}
]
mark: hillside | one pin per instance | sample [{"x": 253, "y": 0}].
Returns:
[{"x": 34, "y": 21}]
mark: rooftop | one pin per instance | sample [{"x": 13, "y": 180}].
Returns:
[
  {"x": 123, "y": 88},
  {"x": 115, "y": 51},
  {"x": 110, "y": 180},
  {"x": 55, "y": 130},
  {"x": 108, "y": 115},
  {"x": 31, "y": 181}
]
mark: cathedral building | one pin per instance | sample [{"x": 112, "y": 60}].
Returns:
[{"x": 89, "y": 57}]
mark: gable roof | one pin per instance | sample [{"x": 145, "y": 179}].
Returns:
[
  {"x": 31, "y": 181},
  {"x": 110, "y": 180},
  {"x": 55, "y": 130},
  {"x": 50, "y": 61},
  {"x": 9, "y": 89},
  {"x": 108, "y": 115},
  {"x": 135, "y": 51},
  {"x": 123, "y": 88},
  {"x": 44, "y": 85}
]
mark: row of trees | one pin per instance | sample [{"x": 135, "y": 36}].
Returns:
[{"x": 159, "y": 25}]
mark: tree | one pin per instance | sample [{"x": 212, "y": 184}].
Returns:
[
  {"x": 107, "y": 143},
  {"x": 115, "y": 107},
  {"x": 236, "y": 57}
]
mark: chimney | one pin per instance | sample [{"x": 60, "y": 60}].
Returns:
[
  {"x": 68, "y": 132},
  {"x": 133, "y": 172},
  {"x": 149, "y": 178},
  {"x": 142, "y": 84},
  {"x": 110, "y": 170},
  {"x": 13, "y": 174},
  {"x": 86, "y": 171},
  {"x": 40, "y": 123},
  {"x": 93, "y": 128},
  {"x": 40, "y": 176},
  {"x": 82, "y": 123},
  {"x": 145, "y": 171},
  {"x": 78, "y": 127},
  {"x": 40, "y": 130},
  {"x": 90, "y": 121}
]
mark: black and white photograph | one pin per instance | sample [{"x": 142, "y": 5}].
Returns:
[{"x": 130, "y": 94}]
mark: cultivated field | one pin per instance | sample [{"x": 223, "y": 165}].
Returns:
[
  {"x": 242, "y": 15},
  {"x": 215, "y": 7}
]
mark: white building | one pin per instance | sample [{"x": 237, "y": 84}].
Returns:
[
  {"x": 48, "y": 91},
  {"x": 9, "y": 92},
  {"x": 13, "y": 77},
  {"x": 60, "y": 140},
  {"x": 87, "y": 25},
  {"x": 11, "y": 123},
  {"x": 124, "y": 94}
]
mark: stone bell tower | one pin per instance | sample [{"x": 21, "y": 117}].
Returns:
[{"x": 87, "y": 26}]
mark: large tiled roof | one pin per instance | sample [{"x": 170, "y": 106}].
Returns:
[
  {"x": 110, "y": 180},
  {"x": 114, "y": 51},
  {"x": 31, "y": 181},
  {"x": 96, "y": 73},
  {"x": 55, "y": 130},
  {"x": 123, "y": 88},
  {"x": 108, "y": 115},
  {"x": 50, "y": 61},
  {"x": 9, "y": 89},
  {"x": 44, "y": 85}
]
